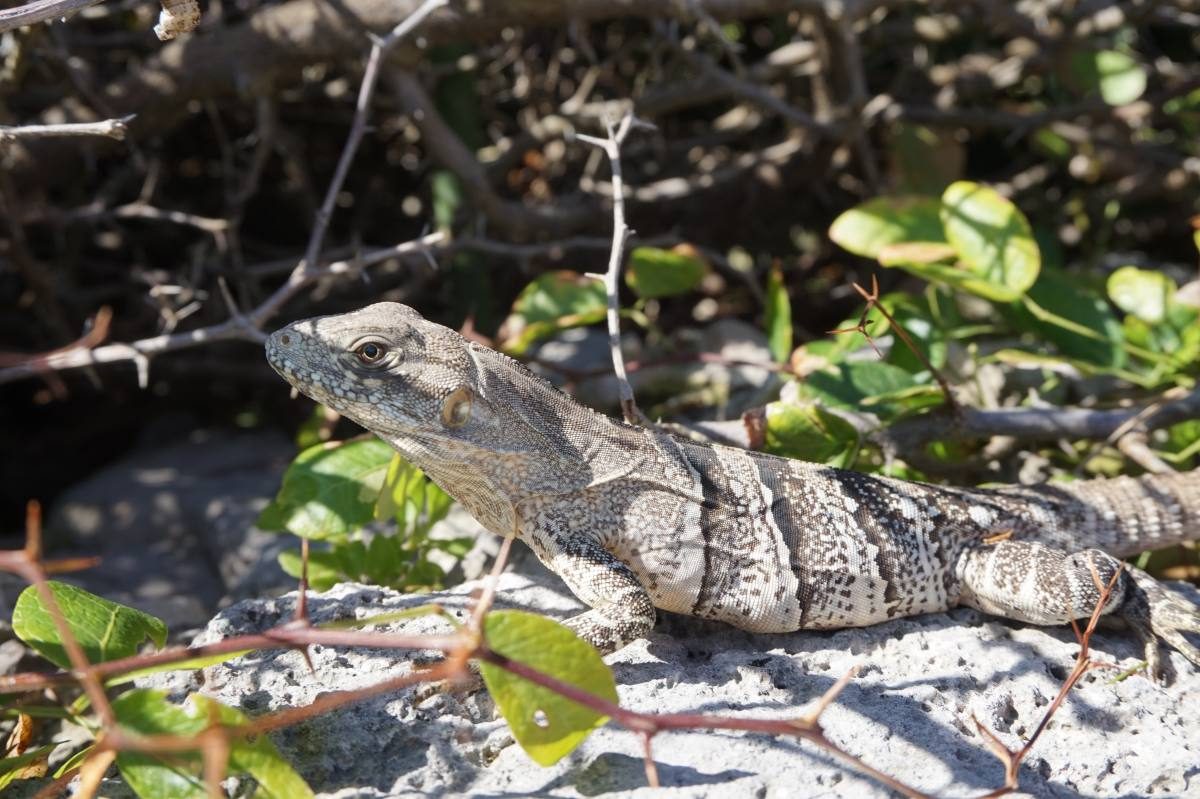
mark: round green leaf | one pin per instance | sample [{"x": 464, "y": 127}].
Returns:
[
  {"x": 105, "y": 630},
  {"x": 653, "y": 272},
  {"x": 993, "y": 240},
  {"x": 330, "y": 490},
  {"x": 868, "y": 228},
  {"x": 1142, "y": 292},
  {"x": 557, "y": 294},
  {"x": 1114, "y": 75},
  {"x": 552, "y": 302},
  {"x": 808, "y": 432},
  {"x": 546, "y": 725},
  {"x": 850, "y": 385},
  {"x": 1063, "y": 296}
]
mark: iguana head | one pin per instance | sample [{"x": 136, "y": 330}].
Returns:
[{"x": 425, "y": 389}]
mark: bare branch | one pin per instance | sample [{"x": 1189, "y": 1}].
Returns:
[
  {"x": 245, "y": 327},
  {"x": 512, "y": 218},
  {"x": 362, "y": 108},
  {"x": 109, "y": 128},
  {"x": 40, "y": 11},
  {"x": 612, "y": 148},
  {"x": 752, "y": 92}
]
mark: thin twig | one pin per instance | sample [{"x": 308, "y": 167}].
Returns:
[
  {"x": 362, "y": 108},
  {"x": 108, "y": 128},
  {"x": 872, "y": 299},
  {"x": 611, "y": 145},
  {"x": 243, "y": 327}
]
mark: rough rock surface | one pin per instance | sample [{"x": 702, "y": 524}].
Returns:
[
  {"x": 908, "y": 712},
  {"x": 174, "y": 524}
]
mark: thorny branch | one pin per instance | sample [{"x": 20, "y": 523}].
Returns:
[
  {"x": 872, "y": 299},
  {"x": 40, "y": 11},
  {"x": 611, "y": 145},
  {"x": 243, "y": 327},
  {"x": 362, "y": 108}
]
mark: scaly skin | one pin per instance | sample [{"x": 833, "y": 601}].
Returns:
[{"x": 635, "y": 519}]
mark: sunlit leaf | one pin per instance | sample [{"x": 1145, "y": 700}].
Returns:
[
  {"x": 324, "y": 568},
  {"x": 104, "y": 629},
  {"x": 545, "y": 724},
  {"x": 329, "y": 490},
  {"x": 994, "y": 242},
  {"x": 807, "y": 431},
  {"x": 177, "y": 776},
  {"x": 1114, "y": 75},
  {"x": 1142, "y": 292},
  {"x": 654, "y": 272},
  {"x": 552, "y": 302},
  {"x": 868, "y": 228}
]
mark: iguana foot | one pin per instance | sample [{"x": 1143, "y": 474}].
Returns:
[{"x": 1159, "y": 615}]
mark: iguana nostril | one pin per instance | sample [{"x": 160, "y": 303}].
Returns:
[{"x": 285, "y": 339}]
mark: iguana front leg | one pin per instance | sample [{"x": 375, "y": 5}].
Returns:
[{"x": 621, "y": 608}]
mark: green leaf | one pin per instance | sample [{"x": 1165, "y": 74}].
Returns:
[
  {"x": 545, "y": 724},
  {"x": 1144, "y": 293},
  {"x": 447, "y": 197},
  {"x": 779, "y": 317},
  {"x": 1064, "y": 297},
  {"x": 552, "y": 302},
  {"x": 1177, "y": 337},
  {"x": 1115, "y": 76},
  {"x": 810, "y": 433},
  {"x": 653, "y": 272},
  {"x": 551, "y": 296},
  {"x": 847, "y": 385},
  {"x": 868, "y": 228},
  {"x": 993, "y": 240},
  {"x": 105, "y": 630},
  {"x": 147, "y": 712},
  {"x": 329, "y": 490}
]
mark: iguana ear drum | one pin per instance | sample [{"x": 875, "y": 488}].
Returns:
[{"x": 456, "y": 409}]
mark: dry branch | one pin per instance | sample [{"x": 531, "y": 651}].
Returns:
[
  {"x": 275, "y": 45},
  {"x": 611, "y": 145},
  {"x": 239, "y": 327},
  {"x": 108, "y": 128},
  {"x": 40, "y": 11}
]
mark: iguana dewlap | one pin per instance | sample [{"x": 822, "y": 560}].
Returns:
[{"x": 635, "y": 519}]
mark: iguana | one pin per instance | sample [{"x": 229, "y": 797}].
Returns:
[{"x": 634, "y": 519}]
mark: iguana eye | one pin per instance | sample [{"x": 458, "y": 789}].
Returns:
[
  {"x": 456, "y": 409},
  {"x": 370, "y": 352}
]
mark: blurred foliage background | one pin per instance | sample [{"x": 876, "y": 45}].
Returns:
[{"x": 1020, "y": 179}]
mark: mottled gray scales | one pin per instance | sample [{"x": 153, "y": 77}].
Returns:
[
  {"x": 747, "y": 577},
  {"x": 635, "y": 519}
]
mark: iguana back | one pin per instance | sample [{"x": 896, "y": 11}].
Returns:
[{"x": 633, "y": 519}]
